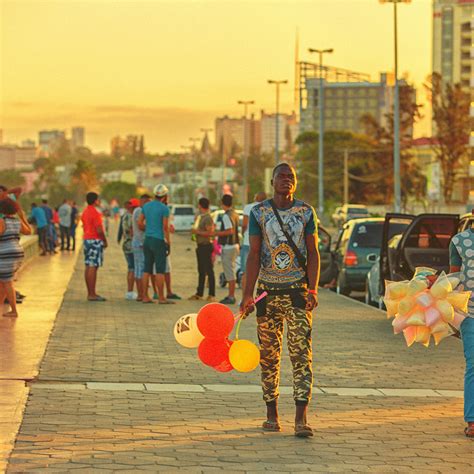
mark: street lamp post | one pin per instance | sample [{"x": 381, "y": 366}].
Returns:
[
  {"x": 396, "y": 111},
  {"x": 321, "y": 52},
  {"x": 245, "y": 103},
  {"x": 206, "y": 131},
  {"x": 277, "y": 126},
  {"x": 194, "y": 156}
]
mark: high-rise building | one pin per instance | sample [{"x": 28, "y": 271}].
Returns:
[
  {"x": 48, "y": 140},
  {"x": 287, "y": 132},
  {"x": 230, "y": 135},
  {"x": 453, "y": 59},
  {"x": 346, "y": 102},
  {"x": 77, "y": 137},
  {"x": 17, "y": 157},
  {"x": 131, "y": 145},
  {"x": 452, "y": 40}
]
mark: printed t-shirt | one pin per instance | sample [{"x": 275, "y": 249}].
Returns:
[
  {"x": 155, "y": 211},
  {"x": 461, "y": 254},
  {"x": 205, "y": 220},
  {"x": 127, "y": 232},
  {"x": 40, "y": 217},
  {"x": 91, "y": 219},
  {"x": 279, "y": 267}
]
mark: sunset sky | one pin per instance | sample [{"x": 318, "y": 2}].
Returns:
[{"x": 166, "y": 68}]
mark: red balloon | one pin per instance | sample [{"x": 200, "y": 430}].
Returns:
[
  {"x": 215, "y": 354},
  {"x": 215, "y": 321}
]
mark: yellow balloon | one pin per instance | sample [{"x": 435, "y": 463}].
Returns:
[{"x": 244, "y": 355}]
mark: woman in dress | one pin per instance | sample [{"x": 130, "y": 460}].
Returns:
[{"x": 12, "y": 224}]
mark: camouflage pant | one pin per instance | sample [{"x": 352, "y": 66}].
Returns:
[{"x": 270, "y": 333}]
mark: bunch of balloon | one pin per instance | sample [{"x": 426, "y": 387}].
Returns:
[
  {"x": 215, "y": 321},
  {"x": 426, "y": 306}
]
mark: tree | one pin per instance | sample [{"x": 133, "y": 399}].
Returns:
[
  {"x": 450, "y": 105},
  {"x": 118, "y": 190},
  {"x": 11, "y": 178},
  {"x": 413, "y": 182},
  {"x": 84, "y": 179}
]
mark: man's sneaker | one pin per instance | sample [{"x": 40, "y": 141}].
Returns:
[
  {"x": 195, "y": 298},
  {"x": 227, "y": 300},
  {"x": 173, "y": 296},
  {"x": 211, "y": 299},
  {"x": 130, "y": 295}
]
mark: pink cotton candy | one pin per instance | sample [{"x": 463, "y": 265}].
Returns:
[{"x": 432, "y": 316}]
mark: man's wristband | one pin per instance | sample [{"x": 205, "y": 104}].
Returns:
[{"x": 313, "y": 292}]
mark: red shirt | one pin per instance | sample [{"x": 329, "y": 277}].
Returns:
[{"x": 91, "y": 220}]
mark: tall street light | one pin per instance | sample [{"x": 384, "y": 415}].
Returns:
[
  {"x": 396, "y": 112},
  {"x": 321, "y": 52},
  {"x": 246, "y": 104},
  {"x": 206, "y": 132},
  {"x": 194, "y": 156},
  {"x": 277, "y": 126}
]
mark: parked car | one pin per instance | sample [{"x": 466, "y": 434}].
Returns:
[
  {"x": 348, "y": 212},
  {"x": 423, "y": 242},
  {"x": 357, "y": 249},
  {"x": 182, "y": 217}
]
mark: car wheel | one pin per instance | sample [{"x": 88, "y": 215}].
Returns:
[
  {"x": 222, "y": 280},
  {"x": 341, "y": 288}
]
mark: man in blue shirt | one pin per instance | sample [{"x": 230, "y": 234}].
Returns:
[
  {"x": 284, "y": 258},
  {"x": 38, "y": 214},
  {"x": 51, "y": 231},
  {"x": 154, "y": 221}
]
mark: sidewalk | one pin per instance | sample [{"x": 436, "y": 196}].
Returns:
[
  {"x": 23, "y": 340},
  {"x": 115, "y": 391}
]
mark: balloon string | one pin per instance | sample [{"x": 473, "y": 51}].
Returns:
[{"x": 240, "y": 316}]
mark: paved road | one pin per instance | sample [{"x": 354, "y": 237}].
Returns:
[{"x": 116, "y": 392}]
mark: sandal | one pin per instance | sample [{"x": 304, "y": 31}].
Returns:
[
  {"x": 271, "y": 426},
  {"x": 302, "y": 430},
  {"x": 469, "y": 431}
]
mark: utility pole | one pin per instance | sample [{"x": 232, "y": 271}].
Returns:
[
  {"x": 321, "y": 52},
  {"x": 194, "y": 140},
  {"x": 346, "y": 176},
  {"x": 206, "y": 131},
  {"x": 245, "y": 192},
  {"x": 188, "y": 149},
  {"x": 277, "y": 125},
  {"x": 396, "y": 112}
]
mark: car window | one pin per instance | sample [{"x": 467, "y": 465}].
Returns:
[
  {"x": 432, "y": 233},
  {"x": 358, "y": 210},
  {"x": 367, "y": 235},
  {"x": 183, "y": 211}
]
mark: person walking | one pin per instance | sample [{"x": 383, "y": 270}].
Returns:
[
  {"x": 95, "y": 242},
  {"x": 65, "y": 212},
  {"x": 244, "y": 250},
  {"x": 39, "y": 217},
  {"x": 284, "y": 258},
  {"x": 12, "y": 224},
  {"x": 204, "y": 233},
  {"x": 125, "y": 234},
  {"x": 461, "y": 260},
  {"x": 74, "y": 219},
  {"x": 138, "y": 241},
  {"x": 228, "y": 237},
  {"x": 154, "y": 221},
  {"x": 50, "y": 237}
]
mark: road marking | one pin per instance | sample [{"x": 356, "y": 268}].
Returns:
[{"x": 235, "y": 388}]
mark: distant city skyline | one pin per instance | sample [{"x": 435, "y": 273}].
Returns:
[{"x": 166, "y": 69}]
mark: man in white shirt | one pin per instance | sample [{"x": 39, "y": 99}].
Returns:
[
  {"x": 228, "y": 237},
  {"x": 244, "y": 250}
]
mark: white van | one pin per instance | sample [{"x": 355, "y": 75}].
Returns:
[{"x": 182, "y": 216}]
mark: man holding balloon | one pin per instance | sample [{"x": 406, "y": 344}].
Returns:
[{"x": 284, "y": 262}]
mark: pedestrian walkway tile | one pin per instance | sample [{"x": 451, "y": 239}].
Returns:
[
  {"x": 114, "y": 386},
  {"x": 409, "y": 392},
  {"x": 173, "y": 387},
  {"x": 353, "y": 392}
]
